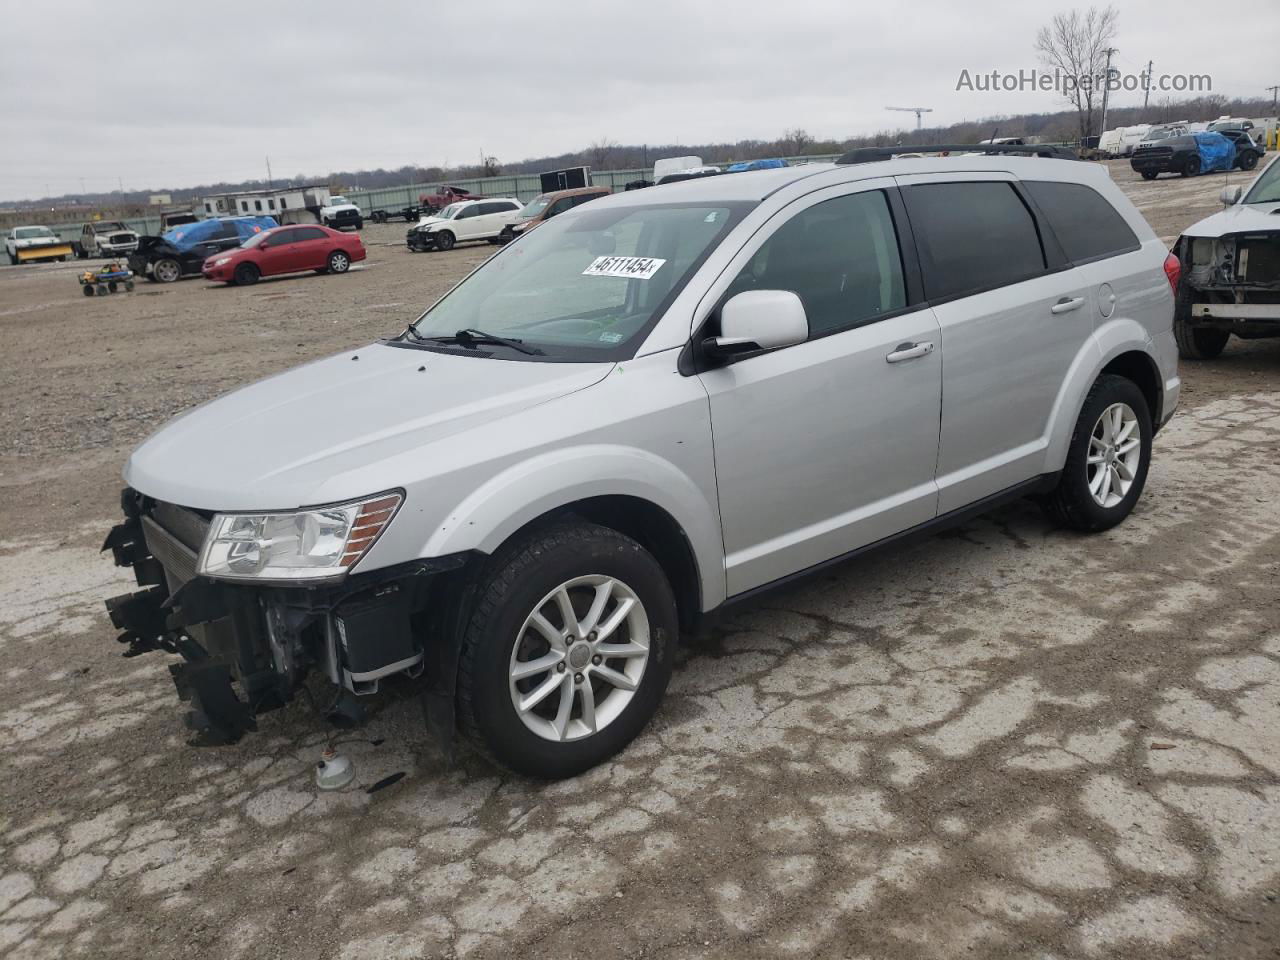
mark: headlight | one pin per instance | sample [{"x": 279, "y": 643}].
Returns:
[
  {"x": 317, "y": 544},
  {"x": 221, "y": 260}
]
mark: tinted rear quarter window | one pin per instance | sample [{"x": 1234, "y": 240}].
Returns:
[
  {"x": 1087, "y": 226},
  {"x": 308, "y": 233},
  {"x": 972, "y": 236}
]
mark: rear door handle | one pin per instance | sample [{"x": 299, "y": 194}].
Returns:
[
  {"x": 1067, "y": 304},
  {"x": 910, "y": 351}
]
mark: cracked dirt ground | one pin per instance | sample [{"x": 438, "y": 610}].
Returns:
[{"x": 1005, "y": 741}]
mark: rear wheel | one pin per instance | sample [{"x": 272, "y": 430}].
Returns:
[
  {"x": 88, "y": 289},
  {"x": 568, "y": 650},
  {"x": 112, "y": 286},
  {"x": 1149, "y": 174},
  {"x": 247, "y": 274},
  {"x": 167, "y": 270},
  {"x": 339, "y": 262},
  {"x": 1107, "y": 460},
  {"x": 444, "y": 240},
  {"x": 1191, "y": 167},
  {"x": 1248, "y": 160}
]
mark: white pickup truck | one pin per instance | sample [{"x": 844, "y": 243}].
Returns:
[{"x": 339, "y": 213}]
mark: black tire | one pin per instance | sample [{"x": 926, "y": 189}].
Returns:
[
  {"x": 167, "y": 270},
  {"x": 1071, "y": 504},
  {"x": 13, "y": 259},
  {"x": 339, "y": 262},
  {"x": 102, "y": 290},
  {"x": 128, "y": 285},
  {"x": 112, "y": 286},
  {"x": 88, "y": 289},
  {"x": 359, "y": 224},
  {"x": 1191, "y": 167},
  {"x": 1248, "y": 160},
  {"x": 246, "y": 275},
  {"x": 507, "y": 592},
  {"x": 1194, "y": 343},
  {"x": 1149, "y": 174},
  {"x": 444, "y": 240}
]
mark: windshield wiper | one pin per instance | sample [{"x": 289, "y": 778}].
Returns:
[{"x": 471, "y": 335}]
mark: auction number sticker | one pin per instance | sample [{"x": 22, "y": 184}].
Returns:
[{"x": 639, "y": 268}]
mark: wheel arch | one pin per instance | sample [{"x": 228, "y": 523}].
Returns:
[
  {"x": 633, "y": 491},
  {"x": 1122, "y": 346}
]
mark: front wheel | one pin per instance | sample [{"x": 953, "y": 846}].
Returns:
[
  {"x": 1107, "y": 460},
  {"x": 444, "y": 240},
  {"x": 1192, "y": 167},
  {"x": 339, "y": 262},
  {"x": 1149, "y": 174},
  {"x": 1248, "y": 161},
  {"x": 247, "y": 274},
  {"x": 567, "y": 651}
]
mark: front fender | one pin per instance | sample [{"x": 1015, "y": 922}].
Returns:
[
  {"x": 1110, "y": 340},
  {"x": 502, "y": 505}
]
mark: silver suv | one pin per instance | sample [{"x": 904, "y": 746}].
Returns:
[{"x": 653, "y": 405}]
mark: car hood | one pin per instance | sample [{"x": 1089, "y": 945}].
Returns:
[
  {"x": 1239, "y": 218},
  {"x": 313, "y": 435},
  {"x": 428, "y": 221}
]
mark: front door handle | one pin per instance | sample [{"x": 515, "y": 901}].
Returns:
[
  {"x": 1067, "y": 304},
  {"x": 910, "y": 351}
]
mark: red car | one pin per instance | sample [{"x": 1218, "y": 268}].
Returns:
[{"x": 286, "y": 250}]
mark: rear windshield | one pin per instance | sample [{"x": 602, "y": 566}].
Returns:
[{"x": 587, "y": 285}]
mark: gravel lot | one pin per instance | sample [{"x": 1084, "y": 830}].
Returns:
[{"x": 1005, "y": 741}]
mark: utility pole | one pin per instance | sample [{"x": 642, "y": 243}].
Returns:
[
  {"x": 1275, "y": 94},
  {"x": 270, "y": 183},
  {"x": 1146, "y": 87},
  {"x": 1106, "y": 88}
]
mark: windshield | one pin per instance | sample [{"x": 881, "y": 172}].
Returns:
[
  {"x": 1160, "y": 133},
  {"x": 30, "y": 233},
  {"x": 535, "y": 207},
  {"x": 587, "y": 285},
  {"x": 449, "y": 212},
  {"x": 334, "y": 201},
  {"x": 1266, "y": 189},
  {"x": 256, "y": 240},
  {"x": 104, "y": 226}
]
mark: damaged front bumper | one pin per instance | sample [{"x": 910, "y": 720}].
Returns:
[
  {"x": 1233, "y": 282},
  {"x": 247, "y": 648}
]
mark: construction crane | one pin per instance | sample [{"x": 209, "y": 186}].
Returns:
[{"x": 918, "y": 111}]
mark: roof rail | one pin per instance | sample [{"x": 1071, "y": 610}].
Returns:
[{"x": 872, "y": 154}]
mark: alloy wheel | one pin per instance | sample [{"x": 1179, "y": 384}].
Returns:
[
  {"x": 579, "y": 658},
  {"x": 1115, "y": 451}
]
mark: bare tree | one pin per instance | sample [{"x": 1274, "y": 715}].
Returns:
[
  {"x": 601, "y": 151},
  {"x": 1075, "y": 45},
  {"x": 491, "y": 167},
  {"x": 796, "y": 141}
]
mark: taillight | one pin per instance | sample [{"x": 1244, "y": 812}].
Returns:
[{"x": 1173, "y": 270}]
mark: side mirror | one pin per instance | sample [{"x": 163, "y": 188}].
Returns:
[
  {"x": 759, "y": 320},
  {"x": 1230, "y": 196}
]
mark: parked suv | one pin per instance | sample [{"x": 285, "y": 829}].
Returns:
[
  {"x": 458, "y": 222},
  {"x": 547, "y": 205},
  {"x": 519, "y": 497},
  {"x": 106, "y": 238}
]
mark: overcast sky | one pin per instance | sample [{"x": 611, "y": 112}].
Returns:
[{"x": 156, "y": 95}]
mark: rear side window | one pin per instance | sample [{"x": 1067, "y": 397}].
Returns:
[
  {"x": 840, "y": 257},
  {"x": 308, "y": 233},
  {"x": 972, "y": 236},
  {"x": 1086, "y": 225}
]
